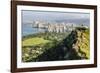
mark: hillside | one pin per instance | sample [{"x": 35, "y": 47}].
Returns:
[
  {"x": 77, "y": 44},
  {"x": 74, "y": 46}
]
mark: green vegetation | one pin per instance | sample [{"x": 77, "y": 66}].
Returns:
[
  {"x": 78, "y": 42},
  {"x": 35, "y": 45},
  {"x": 51, "y": 46},
  {"x": 34, "y": 41}
]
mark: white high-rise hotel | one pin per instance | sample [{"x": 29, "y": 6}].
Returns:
[{"x": 54, "y": 27}]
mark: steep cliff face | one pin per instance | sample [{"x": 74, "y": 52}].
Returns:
[
  {"x": 77, "y": 44},
  {"x": 73, "y": 47}
]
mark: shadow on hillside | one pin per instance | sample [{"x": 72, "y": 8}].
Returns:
[{"x": 62, "y": 51}]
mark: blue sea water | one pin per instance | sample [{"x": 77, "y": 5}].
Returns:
[{"x": 28, "y": 29}]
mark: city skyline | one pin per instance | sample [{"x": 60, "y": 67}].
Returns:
[{"x": 51, "y": 16}]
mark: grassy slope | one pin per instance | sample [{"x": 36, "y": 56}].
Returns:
[
  {"x": 79, "y": 42},
  {"x": 48, "y": 47},
  {"x": 35, "y": 45},
  {"x": 34, "y": 41}
]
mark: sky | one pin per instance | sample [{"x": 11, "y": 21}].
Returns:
[{"x": 50, "y": 16}]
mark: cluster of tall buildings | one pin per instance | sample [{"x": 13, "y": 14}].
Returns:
[{"x": 54, "y": 27}]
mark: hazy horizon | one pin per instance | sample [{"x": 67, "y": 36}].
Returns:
[{"x": 51, "y": 16}]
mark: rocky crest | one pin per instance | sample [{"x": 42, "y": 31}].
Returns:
[{"x": 77, "y": 44}]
